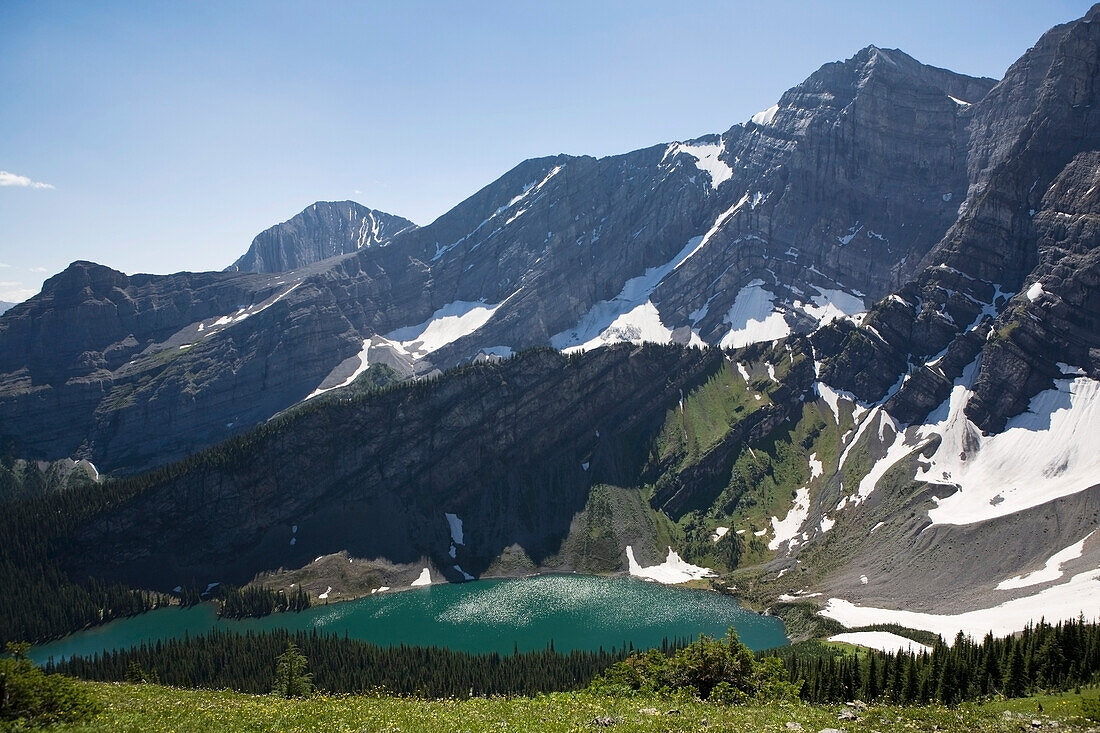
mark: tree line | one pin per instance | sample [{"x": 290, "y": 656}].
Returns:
[
  {"x": 40, "y": 601},
  {"x": 244, "y": 662},
  {"x": 259, "y": 601},
  {"x": 1043, "y": 657}
]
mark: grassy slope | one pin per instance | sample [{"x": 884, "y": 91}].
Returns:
[
  {"x": 154, "y": 708},
  {"x": 765, "y": 475}
]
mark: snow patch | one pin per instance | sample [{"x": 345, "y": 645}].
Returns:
[
  {"x": 706, "y": 160},
  {"x": 631, "y": 315},
  {"x": 701, "y": 242},
  {"x": 719, "y": 533},
  {"x": 425, "y": 578},
  {"x": 641, "y": 324},
  {"x": 247, "y": 311},
  {"x": 829, "y": 305},
  {"x": 1035, "y": 291},
  {"x": 324, "y": 596},
  {"x": 883, "y": 641},
  {"x": 817, "y": 468},
  {"x": 1052, "y": 570},
  {"x": 765, "y": 117},
  {"x": 852, "y": 232},
  {"x": 448, "y": 324},
  {"x": 90, "y": 466},
  {"x": 456, "y": 527},
  {"x": 1057, "y": 434},
  {"x": 831, "y": 397},
  {"x": 752, "y": 318},
  {"x": 1079, "y": 596},
  {"x": 364, "y": 363},
  {"x": 897, "y": 448},
  {"x": 787, "y": 528},
  {"x": 673, "y": 570}
]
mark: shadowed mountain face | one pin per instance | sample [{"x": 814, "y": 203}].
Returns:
[
  {"x": 511, "y": 446},
  {"x": 323, "y": 230}
]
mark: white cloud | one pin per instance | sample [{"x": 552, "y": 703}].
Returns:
[
  {"x": 14, "y": 179},
  {"x": 14, "y": 291},
  {"x": 4, "y": 264},
  {"x": 37, "y": 269}
]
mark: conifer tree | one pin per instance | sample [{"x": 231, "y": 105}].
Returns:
[{"x": 291, "y": 677}]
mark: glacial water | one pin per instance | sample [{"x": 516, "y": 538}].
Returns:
[{"x": 572, "y": 611}]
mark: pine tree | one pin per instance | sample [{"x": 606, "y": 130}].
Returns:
[
  {"x": 291, "y": 677},
  {"x": 1014, "y": 674}
]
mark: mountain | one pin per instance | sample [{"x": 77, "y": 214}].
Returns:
[
  {"x": 777, "y": 225},
  {"x": 850, "y": 358},
  {"x": 4, "y": 305},
  {"x": 324, "y": 229}
]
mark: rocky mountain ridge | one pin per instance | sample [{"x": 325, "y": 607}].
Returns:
[{"x": 723, "y": 240}]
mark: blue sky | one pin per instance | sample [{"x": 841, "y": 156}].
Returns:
[{"x": 165, "y": 135}]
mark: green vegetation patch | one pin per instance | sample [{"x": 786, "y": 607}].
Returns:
[{"x": 137, "y": 708}]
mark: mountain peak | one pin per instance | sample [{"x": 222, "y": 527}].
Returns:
[{"x": 323, "y": 229}]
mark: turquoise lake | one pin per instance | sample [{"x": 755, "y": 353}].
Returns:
[{"x": 573, "y": 611}]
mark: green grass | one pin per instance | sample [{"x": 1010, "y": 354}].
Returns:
[
  {"x": 707, "y": 415},
  {"x": 153, "y": 708}
]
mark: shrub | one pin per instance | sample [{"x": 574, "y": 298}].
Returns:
[
  {"x": 32, "y": 698},
  {"x": 724, "y": 671},
  {"x": 1090, "y": 708}
]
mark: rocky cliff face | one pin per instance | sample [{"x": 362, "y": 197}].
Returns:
[
  {"x": 5, "y": 306},
  {"x": 1026, "y": 216},
  {"x": 324, "y": 229}
]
